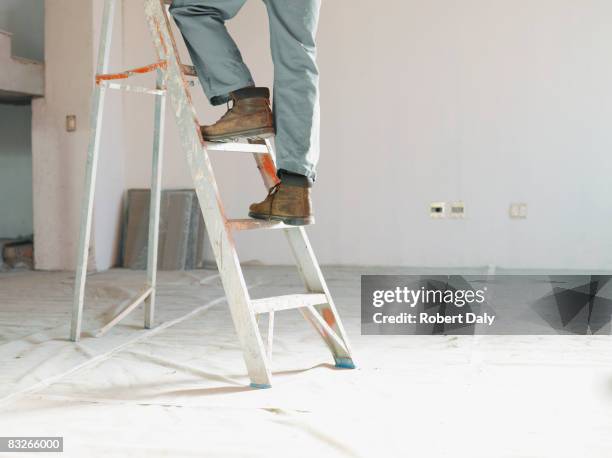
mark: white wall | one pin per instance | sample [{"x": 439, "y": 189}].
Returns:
[
  {"x": 485, "y": 101},
  {"x": 489, "y": 102},
  {"x": 59, "y": 156}
]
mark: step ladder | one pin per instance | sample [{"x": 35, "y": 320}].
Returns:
[{"x": 316, "y": 304}]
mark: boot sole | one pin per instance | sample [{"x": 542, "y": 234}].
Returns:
[
  {"x": 288, "y": 220},
  {"x": 260, "y": 133}
]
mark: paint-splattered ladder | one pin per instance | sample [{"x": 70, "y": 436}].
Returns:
[{"x": 316, "y": 304}]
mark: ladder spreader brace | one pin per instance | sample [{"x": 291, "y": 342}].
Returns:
[{"x": 316, "y": 304}]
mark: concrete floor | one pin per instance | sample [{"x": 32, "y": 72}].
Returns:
[{"x": 180, "y": 389}]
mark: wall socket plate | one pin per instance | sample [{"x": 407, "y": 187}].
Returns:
[
  {"x": 437, "y": 210},
  {"x": 457, "y": 210},
  {"x": 71, "y": 123},
  {"x": 518, "y": 210}
]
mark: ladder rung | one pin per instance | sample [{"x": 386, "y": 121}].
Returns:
[
  {"x": 128, "y": 88},
  {"x": 288, "y": 302},
  {"x": 237, "y": 147},
  {"x": 132, "y": 304},
  {"x": 249, "y": 224}
]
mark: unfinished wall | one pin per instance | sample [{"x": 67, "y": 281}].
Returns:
[
  {"x": 15, "y": 171},
  {"x": 25, "y": 20},
  {"x": 59, "y": 156},
  {"x": 480, "y": 101},
  {"x": 489, "y": 102}
]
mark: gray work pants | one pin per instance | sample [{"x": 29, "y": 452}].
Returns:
[{"x": 293, "y": 25}]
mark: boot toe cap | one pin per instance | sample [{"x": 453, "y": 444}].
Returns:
[
  {"x": 255, "y": 208},
  {"x": 206, "y": 130}
]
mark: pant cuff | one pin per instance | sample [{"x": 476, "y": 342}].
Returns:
[
  {"x": 298, "y": 169},
  {"x": 221, "y": 97},
  {"x": 294, "y": 179}
]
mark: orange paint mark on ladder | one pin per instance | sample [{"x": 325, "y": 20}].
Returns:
[
  {"x": 268, "y": 166},
  {"x": 162, "y": 64},
  {"x": 329, "y": 317}
]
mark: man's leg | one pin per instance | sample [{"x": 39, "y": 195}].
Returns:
[
  {"x": 223, "y": 74},
  {"x": 213, "y": 51},
  {"x": 293, "y": 26}
]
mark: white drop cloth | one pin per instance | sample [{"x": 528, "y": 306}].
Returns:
[{"x": 181, "y": 389}]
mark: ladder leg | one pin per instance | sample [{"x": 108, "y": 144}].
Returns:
[
  {"x": 154, "y": 208},
  {"x": 270, "y": 335},
  {"x": 208, "y": 196},
  {"x": 238, "y": 299},
  {"x": 90, "y": 174},
  {"x": 315, "y": 283}
]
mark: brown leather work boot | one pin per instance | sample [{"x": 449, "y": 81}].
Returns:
[
  {"x": 249, "y": 117},
  {"x": 286, "y": 203}
]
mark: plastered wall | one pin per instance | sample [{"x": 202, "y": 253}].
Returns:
[
  {"x": 59, "y": 156},
  {"x": 486, "y": 102},
  {"x": 480, "y": 101}
]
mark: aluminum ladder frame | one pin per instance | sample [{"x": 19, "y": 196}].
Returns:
[
  {"x": 103, "y": 82},
  {"x": 316, "y": 305}
]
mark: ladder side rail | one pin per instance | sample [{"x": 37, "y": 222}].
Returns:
[
  {"x": 155, "y": 203},
  {"x": 326, "y": 330},
  {"x": 208, "y": 195},
  {"x": 266, "y": 164},
  {"x": 270, "y": 337},
  {"x": 315, "y": 283},
  {"x": 97, "y": 110}
]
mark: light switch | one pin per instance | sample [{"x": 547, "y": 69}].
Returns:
[
  {"x": 457, "y": 210},
  {"x": 518, "y": 211}
]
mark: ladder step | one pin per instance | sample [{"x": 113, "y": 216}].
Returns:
[
  {"x": 287, "y": 302},
  {"x": 249, "y": 224},
  {"x": 237, "y": 147},
  {"x": 128, "y": 88}
]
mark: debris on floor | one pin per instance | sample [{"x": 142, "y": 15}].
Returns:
[{"x": 17, "y": 254}]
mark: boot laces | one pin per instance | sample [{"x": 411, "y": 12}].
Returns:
[
  {"x": 229, "y": 109},
  {"x": 272, "y": 193},
  {"x": 274, "y": 189}
]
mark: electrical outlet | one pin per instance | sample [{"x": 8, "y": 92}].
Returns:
[
  {"x": 457, "y": 210},
  {"x": 71, "y": 123},
  {"x": 518, "y": 210},
  {"x": 437, "y": 210}
]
